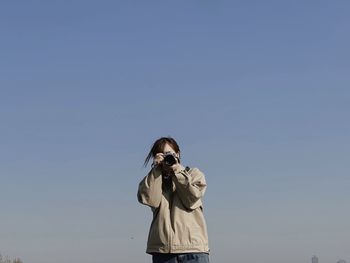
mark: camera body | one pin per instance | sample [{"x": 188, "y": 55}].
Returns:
[{"x": 170, "y": 158}]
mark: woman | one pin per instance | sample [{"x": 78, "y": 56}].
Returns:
[{"x": 178, "y": 232}]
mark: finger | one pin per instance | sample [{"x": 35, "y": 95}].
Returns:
[{"x": 159, "y": 159}]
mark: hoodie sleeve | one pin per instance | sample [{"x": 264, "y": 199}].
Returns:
[
  {"x": 150, "y": 189},
  {"x": 190, "y": 186}
]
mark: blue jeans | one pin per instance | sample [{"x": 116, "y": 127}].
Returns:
[{"x": 180, "y": 258}]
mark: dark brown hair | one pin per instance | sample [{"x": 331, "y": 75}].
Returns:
[{"x": 158, "y": 146}]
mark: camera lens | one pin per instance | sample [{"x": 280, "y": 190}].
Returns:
[{"x": 169, "y": 159}]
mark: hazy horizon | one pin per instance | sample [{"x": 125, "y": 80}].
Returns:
[{"x": 256, "y": 93}]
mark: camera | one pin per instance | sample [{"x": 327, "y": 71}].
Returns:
[{"x": 170, "y": 158}]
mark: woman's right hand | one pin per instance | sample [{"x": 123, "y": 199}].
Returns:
[{"x": 158, "y": 159}]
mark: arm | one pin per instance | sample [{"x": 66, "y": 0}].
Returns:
[
  {"x": 190, "y": 187},
  {"x": 150, "y": 189}
]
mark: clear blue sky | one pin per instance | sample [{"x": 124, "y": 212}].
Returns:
[{"x": 255, "y": 92}]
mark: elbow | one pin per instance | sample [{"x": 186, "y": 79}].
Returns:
[
  {"x": 192, "y": 204},
  {"x": 147, "y": 200}
]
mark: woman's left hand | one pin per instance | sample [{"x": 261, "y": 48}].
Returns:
[{"x": 177, "y": 167}]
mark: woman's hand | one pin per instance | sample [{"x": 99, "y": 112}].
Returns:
[
  {"x": 158, "y": 159},
  {"x": 158, "y": 162},
  {"x": 177, "y": 167}
]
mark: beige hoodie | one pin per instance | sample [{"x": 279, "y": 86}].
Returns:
[{"x": 178, "y": 224}]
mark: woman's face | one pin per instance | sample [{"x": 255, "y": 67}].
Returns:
[{"x": 168, "y": 148}]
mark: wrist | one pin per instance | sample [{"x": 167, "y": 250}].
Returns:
[{"x": 179, "y": 168}]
